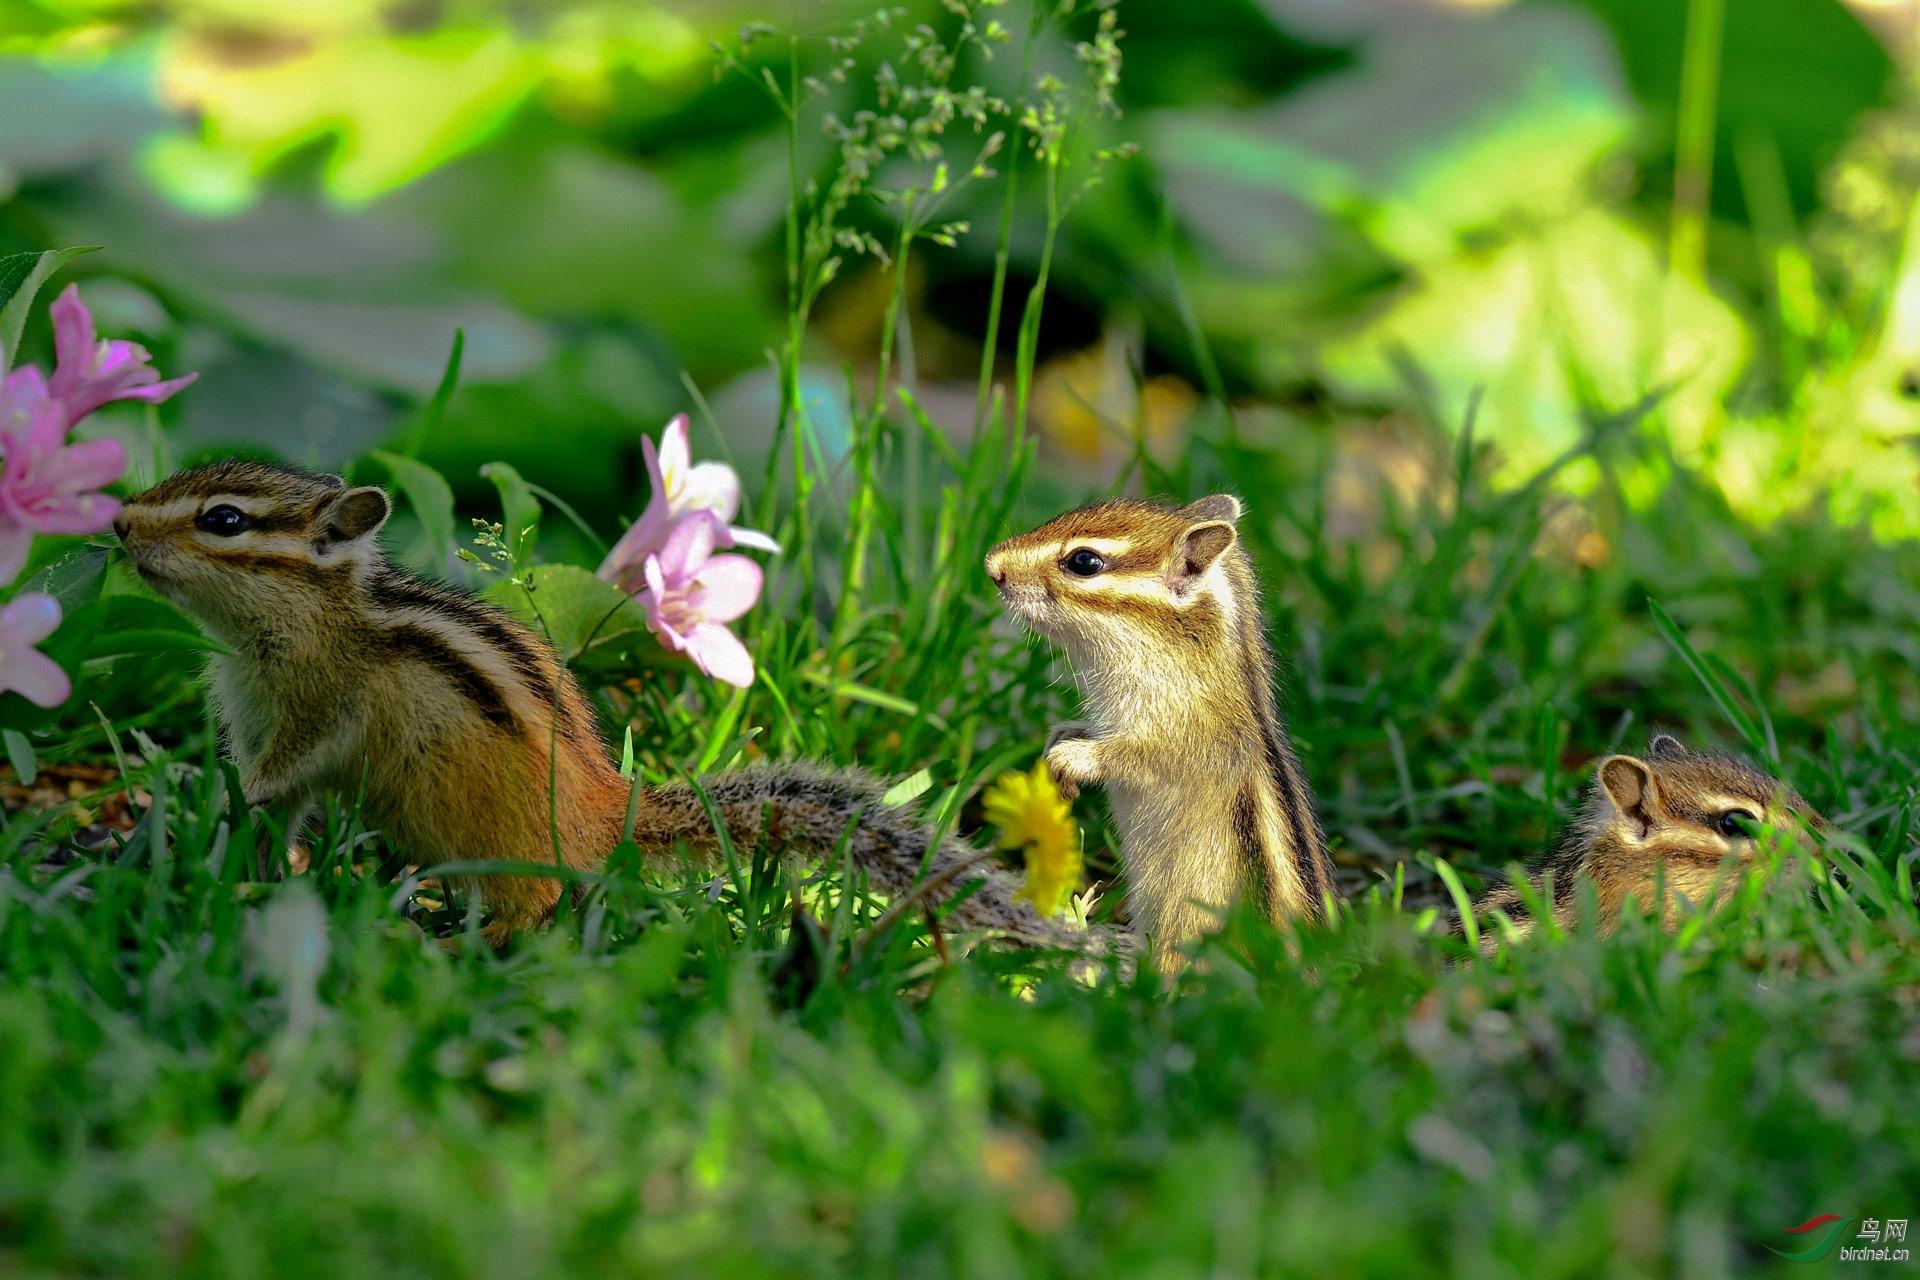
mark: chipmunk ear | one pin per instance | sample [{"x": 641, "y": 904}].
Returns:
[
  {"x": 1629, "y": 784},
  {"x": 354, "y": 514},
  {"x": 1195, "y": 551},
  {"x": 1218, "y": 506},
  {"x": 1664, "y": 746}
]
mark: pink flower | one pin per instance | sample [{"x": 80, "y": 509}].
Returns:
[
  {"x": 23, "y": 391},
  {"x": 25, "y": 622},
  {"x": 679, "y": 488},
  {"x": 47, "y": 484},
  {"x": 91, "y": 373},
  {"x": 692, "y": 593}
]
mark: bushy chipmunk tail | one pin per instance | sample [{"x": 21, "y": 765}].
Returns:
[{"x": 805, "y": 811}]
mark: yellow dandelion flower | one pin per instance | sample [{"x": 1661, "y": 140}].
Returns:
[{"x": 1033, "y": 815}]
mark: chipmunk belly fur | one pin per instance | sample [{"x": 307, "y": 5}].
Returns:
[
  {"x": 1206, "y": 822},
  {"x": 461, "y": 730},
  {"x": 1157, "y": 611}
]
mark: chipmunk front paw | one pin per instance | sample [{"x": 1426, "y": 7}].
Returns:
[
  {"x": 1067, "y": 732},
  {"x": 1073, "y": 761}
]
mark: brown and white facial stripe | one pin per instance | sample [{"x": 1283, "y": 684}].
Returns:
[
  {"x": 1117, "y": 565},
  {"x": 249, "y": 517}
]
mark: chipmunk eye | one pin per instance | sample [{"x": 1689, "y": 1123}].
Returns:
[
  {"x": 1084, "y": 563},
  {"x": 223, "y": 521},
  {"x": 1734, "y": 823}
]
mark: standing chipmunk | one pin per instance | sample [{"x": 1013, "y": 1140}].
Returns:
[
  {"x": 345, "y": 666},
  {"x": 1158, "y": 610},
  {"x": 1675, "y": 816}
]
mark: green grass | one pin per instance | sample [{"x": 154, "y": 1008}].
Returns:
[
  {"x": 209, "y": 1069},
  {"x": 203, "y": 1073}
]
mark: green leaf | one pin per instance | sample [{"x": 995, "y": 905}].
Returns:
[
  {"x": 596, "y": 627},
  {"x": 431, "y": 497},
  {"x": 559, "y": 504},
  {"x": 935, "y": 437},
  {"x": 1451, "y": 878},
  {"x": 436, "y": 408},
  {"x": 21, "y": 276},
  {"x": 520, "y": 511},
  {"x": 131, "y": 624},
  {"x": 20, "y": 756},
  {"x": 74, "y": 580},
  {"x": 124, "y": 644},
  {"x": 908, "y": 789}
]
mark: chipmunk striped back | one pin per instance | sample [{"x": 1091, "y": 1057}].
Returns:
[
  {"x": 460, "y": 727},
  {"x": 1158, "y": 611},
  {"x": 347, "y": 671}
]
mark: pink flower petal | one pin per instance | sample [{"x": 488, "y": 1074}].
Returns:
[
  {"x": 72, "y": 331},
  {"x": 675, "y": 456},
  {"x": 688, "y": 547},
  {"x": 27, "y": 620},
  {"x": 719, "y": 653},
  {"x": 35, "y": 677},
  {"x": 728, "y": 587},
  {"x": 23, "y": 392},
  {"x": 83, "y": 513},
  {"x": 90, "y": 373},
  {"x": 624, "y": 563},
  {"x": 15, "y": 543},
  {"x": 90, "y": 464},
  {"x": 44, "y": 431},
  {"x": 159, "y": 391},
  {"x": 711, "y": 486},
  {"x": 738, "y": 537},
  {"x": 659, "y": 607}
]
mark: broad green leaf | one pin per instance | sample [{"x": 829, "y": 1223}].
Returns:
[
  {"x": 74, "y": 580},
  {"x": 520, "y": 511},
  {"x": 131, "y": 624},
  {"x": 126, "y": 644},
  {"x": 432, "y": 500},
  {"x": 21, "y": 276},
  {"x": 596, "y": 627}
]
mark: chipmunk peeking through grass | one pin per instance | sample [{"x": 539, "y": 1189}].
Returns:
[
  {"x": 1683, "y": 819},
  {"x": 473, "y": 739}
]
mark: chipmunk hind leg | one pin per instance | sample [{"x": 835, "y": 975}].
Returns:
[{"x": 500, "y": 817}]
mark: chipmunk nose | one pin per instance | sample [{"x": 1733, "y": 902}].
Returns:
[
  {"x": 994, "y": 570},
  {"x": 120, "y": 525}
]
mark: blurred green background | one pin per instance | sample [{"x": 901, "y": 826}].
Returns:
[{"x": 1353, "y": 208}]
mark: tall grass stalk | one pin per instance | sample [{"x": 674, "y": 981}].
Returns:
[{"x": 1693, "y": 143}]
